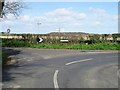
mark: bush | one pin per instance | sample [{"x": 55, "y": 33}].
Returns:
[
  {"x": 4, "y": 58},
  {"x": 57, "y": 45},
  {"x": 14, "y": 43}
]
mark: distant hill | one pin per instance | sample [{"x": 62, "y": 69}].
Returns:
[{"x": 67, "y": 33}]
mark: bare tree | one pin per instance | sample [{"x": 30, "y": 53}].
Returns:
[
  {"x": 7, "y": 7},
  {"x": 1, "y": 8}
]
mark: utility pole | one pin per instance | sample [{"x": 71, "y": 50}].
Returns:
[
  {"x": 38, "y": 24},
  {"x": 37, "y": 38},
  {"x": 59, "y": 31}
]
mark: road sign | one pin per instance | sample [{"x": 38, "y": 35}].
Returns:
[
  {"x": 8, "y": 30},
  {"x": 64, "y": 40},
  {"x": 39, "y": 39}
]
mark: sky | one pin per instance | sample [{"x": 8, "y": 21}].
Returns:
[{"x": 46, "y": 17}]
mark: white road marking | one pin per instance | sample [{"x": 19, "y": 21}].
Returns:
[
  {"x": 79, "y": 61},
  {"x": 55, "y": 80},
  {"x": 29, "y": 60},
  {"x": 17, "y": 86},
  {"x": 14, "y": 86}
]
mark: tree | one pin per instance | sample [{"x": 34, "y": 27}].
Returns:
[
  {"x": 82, "y": 40},
  {"x": 115, "y": 36},
  {"x": 1, "y": 8},
  {"x": 7, "y": 7},
  {"x": 94, "y": 38},
  {"x": 105, "y": 36}
]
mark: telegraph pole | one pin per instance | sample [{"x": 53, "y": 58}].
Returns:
[
  {"x": 59, "y": 31},
  {"x": 38, "y": 24},
  {"x": 37, "y": 38}
]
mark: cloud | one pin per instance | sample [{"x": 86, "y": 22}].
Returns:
[
  {"x": 78, "y": 24},
  {"x": 60, "y": 15},
  {"x": 98, "y": 23},
  {"x": 62, "y": 11},
  {"x": 9, "y": 17},
  {"x": 115, "y": 17},
  {"x": 64, "y": 14},
  {"x": 66, "y": 18},
  {"x": 99, "y": 13},
  {"x": 13, "y": 0},
  {"x": 98, "y": 10},
  {"x": 25, "y": 18}
]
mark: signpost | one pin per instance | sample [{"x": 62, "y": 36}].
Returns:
[
  {"x": 39, "y": 40},
  {"x": 8, "y": 31},
  {"x": 64, "y": 41}
]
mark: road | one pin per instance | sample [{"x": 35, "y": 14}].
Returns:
[{"x": 43, "y": 68}]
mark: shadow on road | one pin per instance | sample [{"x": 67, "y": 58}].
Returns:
[
  {"x": 11, "y": 51},
  {"x": 6, "y": 75}
]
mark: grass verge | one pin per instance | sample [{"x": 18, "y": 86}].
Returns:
[
  {"x": 81, "y": 46},
  {"x": 100, "y": 46}
]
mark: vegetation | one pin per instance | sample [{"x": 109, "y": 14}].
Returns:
[
  {"x": 4, "y": 58},
  {"x": 95, "y": 42},
  {"x": 7, "y": 7},
  {"x": 100, "y": 46},
  {"x": 14, "y": 43},
  {"x": 109, "y": 45}
]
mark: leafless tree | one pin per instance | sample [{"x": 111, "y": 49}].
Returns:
[
  {"x": 1, "y": 8},
  {"x": 7, "y": 7}
]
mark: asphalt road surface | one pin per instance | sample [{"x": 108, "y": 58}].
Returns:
[{"x": 44, "y": 68}]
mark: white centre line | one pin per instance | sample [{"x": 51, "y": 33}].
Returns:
[
  {"x": 56, "y": 86},
  {"x": 79, "y": 61}
]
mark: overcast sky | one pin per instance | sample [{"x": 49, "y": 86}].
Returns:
[{"x": 89, "y": 17}]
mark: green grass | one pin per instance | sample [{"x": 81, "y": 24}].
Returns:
[
  {"x": 82, "y": 46},
  {"x": 4, "y": 34},
  {"x": 4, "y": 58},
  {"x": 14, "y": 43},
  {"x": 100, "y": 46}
]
